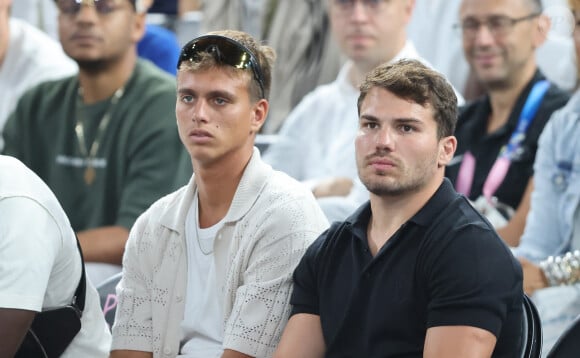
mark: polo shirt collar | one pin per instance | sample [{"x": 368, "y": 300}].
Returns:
[
  {"x": 359, "y": 220},
  {"x": 436, "y": 204},
  {"x": 251, "y": 184}
]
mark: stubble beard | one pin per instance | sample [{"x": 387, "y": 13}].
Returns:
[
  {"x": 385, "y": 185},
  {"x": 93, "y": 66}
]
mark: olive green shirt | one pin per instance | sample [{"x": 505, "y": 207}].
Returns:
[{"x": 137, "y": 155}]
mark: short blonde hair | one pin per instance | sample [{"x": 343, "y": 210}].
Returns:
[{"x": 263, "y": 54}]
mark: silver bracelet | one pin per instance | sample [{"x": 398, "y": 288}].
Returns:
[{"x": 562, "y": 270}]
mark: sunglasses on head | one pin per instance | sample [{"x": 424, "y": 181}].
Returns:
[
  {"x": 224, "y": 50},
  {"x": 101, "y": 6}
]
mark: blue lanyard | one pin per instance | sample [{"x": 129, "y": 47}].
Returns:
[
  {"x": 499, "y": 169},
  {"x": 526, "y": 117}
]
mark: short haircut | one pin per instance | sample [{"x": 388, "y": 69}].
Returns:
[
  {"x": 264, "y": 55},
  {"x": 412, "y": 80}
]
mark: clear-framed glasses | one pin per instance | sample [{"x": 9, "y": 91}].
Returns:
[
  {"x": 498, "y": 25},
  {"x": 103, "y": 7},
  {"x": 346, "y": 6},
  {"x": 224, "y": 50}
]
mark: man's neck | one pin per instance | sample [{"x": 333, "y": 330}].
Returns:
[
  {"x": 390, "y": 213},
  {"x": 100, "y": 85},
  {"x": 503, "y": 100},
  {"x": 217, "y": 185}
]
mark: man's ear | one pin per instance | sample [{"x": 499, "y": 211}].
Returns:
[
  {"x": 138, "y": 27},
  {"x": 447, "y": 147},
  {"x": 541, "y": 32},
  {"x": 259, "y": 114}
]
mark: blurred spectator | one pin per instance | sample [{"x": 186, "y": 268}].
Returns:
[
  {"x": 497, "y": 134},
  {"x": 105, "y": 140},
  {"x": 27, "y": 57},
  {"x": 298, "y": 30},
  {"x": 432, "y": 28},
  {"x": 550, "y": 246}
]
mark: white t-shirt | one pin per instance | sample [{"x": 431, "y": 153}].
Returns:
[
  {"x": 202, "y": 325},
  {"x": 32, "y": 57},
  {"x": 40, "y": 265}
]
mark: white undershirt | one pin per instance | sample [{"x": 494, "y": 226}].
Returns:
[{"x": 202, "y": 326}]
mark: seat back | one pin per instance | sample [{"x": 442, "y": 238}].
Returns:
[
  {"x": 531, "y": 330},
  {"x": 108, "y": 297},
  {"x": 568, "y": 344}
]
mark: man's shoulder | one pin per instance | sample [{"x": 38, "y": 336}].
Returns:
[
  {"x": 285, "y": 199},
  {"x": 280, "y": 189},
  {"x": 555, "y": 98},
  {"x": 53, "y": 91},
  {"x": 147, "y": 74}
]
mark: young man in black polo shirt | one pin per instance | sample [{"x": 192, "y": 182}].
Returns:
[{"x": 417, "y": 272}]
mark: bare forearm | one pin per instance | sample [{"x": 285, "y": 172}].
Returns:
[
  {"x": 105, "y": 244},
  {"x": 14, "y": 324},
  {"x": 130, "y": 354},
  {"x": 302, "y": 338},
  {"x": 228, "y": 353}
]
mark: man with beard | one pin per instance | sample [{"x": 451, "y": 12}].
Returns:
[
  {"x": 497, "y": 135},
  {"x": 105, "y": 141},
  {"x": 416, "y": 272}
]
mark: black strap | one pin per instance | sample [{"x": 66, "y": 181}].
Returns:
[{"x": 79, "y": 297}]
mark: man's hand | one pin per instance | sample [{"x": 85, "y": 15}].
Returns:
[
  {"x": 339, "y": 186},
  {"x": 534, "y": 278}
]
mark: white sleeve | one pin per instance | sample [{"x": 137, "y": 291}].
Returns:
[{"x": 29, "y": 242}]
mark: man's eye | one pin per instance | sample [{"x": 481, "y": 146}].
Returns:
[
  {"x": 406, "y": 128},
  {"x": 186, "y": 98}
]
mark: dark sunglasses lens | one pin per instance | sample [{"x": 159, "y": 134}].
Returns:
[{"x": 223, "y": 51}]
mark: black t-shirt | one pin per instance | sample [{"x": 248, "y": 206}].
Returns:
[
  {"x": 445, "y": 266},
  {"x": 471, "y": 133}
]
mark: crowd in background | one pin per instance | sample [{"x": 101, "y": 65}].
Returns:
[{"x": 514, "y": 74}]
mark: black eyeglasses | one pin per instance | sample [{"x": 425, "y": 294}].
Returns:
[
  {"x": 224, "y": 50},
  {"x": 103, "y": 7},
  {"x": 498, "y": 25}
]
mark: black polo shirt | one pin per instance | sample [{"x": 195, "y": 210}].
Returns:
[
  {"x": 471, "y": 133},
  {"x": 445, "y": 266}
]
